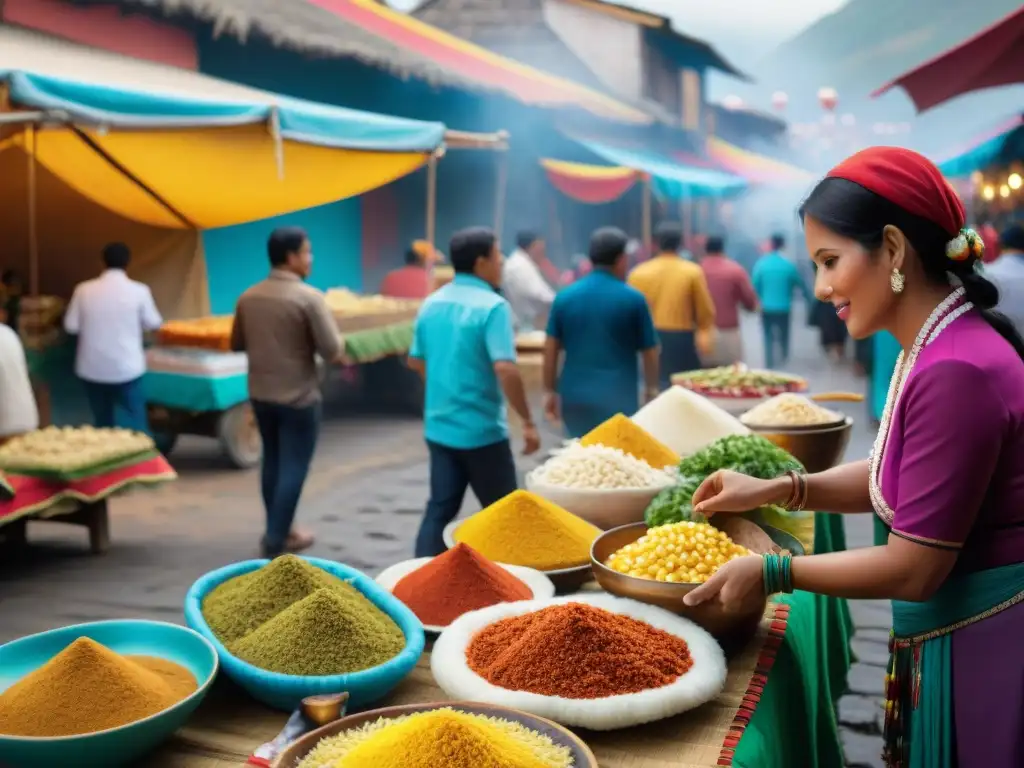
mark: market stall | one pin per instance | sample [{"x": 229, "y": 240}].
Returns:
[
  {"x": 196, "y": 385},
  {"x": 67, "y": 476},
  {"x": 95, "y": 158},
  {"x": 631, "y": 675}
]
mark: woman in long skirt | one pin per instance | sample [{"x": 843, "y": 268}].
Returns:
[{"x": 946, "y": 475}]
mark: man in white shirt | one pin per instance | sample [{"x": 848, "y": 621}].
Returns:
[
  {"x": 110, "y": 314},
  {"x": 524, "y": 286},
  {"x": 18, "y": 412},
  {"x": 1007, "y": 272}
]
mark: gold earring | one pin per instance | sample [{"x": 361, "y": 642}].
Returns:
[{"x": 897, "y": 281}]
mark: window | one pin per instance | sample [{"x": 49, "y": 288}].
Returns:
[
  {"x": 661, "y": 80},
  {"x": 693, "y": 97}
]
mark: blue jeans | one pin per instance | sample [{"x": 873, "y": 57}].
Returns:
[
  {"x": 490, "y": 471},
  {"x": 118, "y": 405},
  {"x": 289, "y": 441},
  {"x": 776, "y": 328}
]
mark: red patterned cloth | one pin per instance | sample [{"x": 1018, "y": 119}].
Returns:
[{"x": 34, "y": 495}]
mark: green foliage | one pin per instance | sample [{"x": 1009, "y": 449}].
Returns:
[{"x": 749, "y": 454}]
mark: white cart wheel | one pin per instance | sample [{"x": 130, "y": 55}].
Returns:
[{"x": 240, "y": 436}]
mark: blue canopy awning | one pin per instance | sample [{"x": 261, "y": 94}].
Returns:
[
  {"x": 671, "y": 178},
  {"x": 997, "y": 145},
  {"x": 302, "y": 121}
]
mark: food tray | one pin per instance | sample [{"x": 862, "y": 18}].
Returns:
[
  {"x": 284, "y": 692},
  {"x": 351, "y": 323},
  {"x": 82, "y": 472}
]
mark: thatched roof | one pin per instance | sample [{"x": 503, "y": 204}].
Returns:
[
  {"x": 364, "y": 31},
  {"x": 300, "y": 26}
]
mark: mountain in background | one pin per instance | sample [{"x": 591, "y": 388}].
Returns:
[{"x": 867, "y": 43}]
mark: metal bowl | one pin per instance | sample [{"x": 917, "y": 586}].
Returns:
[
  {"x": 817, "y": 448},
  {"x": 731, "y": 628},
  {"x": 581, "y": 754}
]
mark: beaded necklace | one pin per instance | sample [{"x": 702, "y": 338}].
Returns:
[{"x": 944, "y": 314}]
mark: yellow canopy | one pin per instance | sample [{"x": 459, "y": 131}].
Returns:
[{"x": 182, "y": 150}]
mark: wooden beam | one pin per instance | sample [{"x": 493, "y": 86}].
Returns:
[
  {"x": 466, "y": 140},
  {"x": 629, "y": 15}
]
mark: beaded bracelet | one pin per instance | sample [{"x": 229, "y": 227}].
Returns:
[{"x": 777, "y": 572}]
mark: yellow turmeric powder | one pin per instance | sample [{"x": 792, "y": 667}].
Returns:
[
  {"x": 442, "y": 737},
  {"x": 629, "y": 437},
  {"x": 88, "y": 688},
  {"x": 524, "y": 529}
]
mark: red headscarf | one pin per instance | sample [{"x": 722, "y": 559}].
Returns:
[{"x": 909, "y": 180}]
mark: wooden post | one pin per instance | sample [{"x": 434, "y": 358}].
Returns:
[
  {"x": 647, "y": 223},
  {"x": 31, "y": 139},
  {"x": 432, "y": 200},
  {"x": 500, "y": 194}
]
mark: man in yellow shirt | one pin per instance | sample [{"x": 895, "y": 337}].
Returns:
[{"x": 681, "y": 306}]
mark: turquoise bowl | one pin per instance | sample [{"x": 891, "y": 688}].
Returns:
[
  {"x": 116, "y": 746},
  {"x": 286, "y": 691}
]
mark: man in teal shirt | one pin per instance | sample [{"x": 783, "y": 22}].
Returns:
[
  {"x": 465, "y": 349},
  {"x": 775, "y": 280},
  {"x": 599, "y": 328}
]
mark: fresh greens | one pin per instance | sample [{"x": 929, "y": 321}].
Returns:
[
  {"x": 748, "y": 454},
  {"x": 672, "y": 505}
]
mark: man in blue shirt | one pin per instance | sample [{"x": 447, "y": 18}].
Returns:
[
  {"x": 465, "y": 349},
  {"x": 601, "y": 325},
  {"x": 775, "y": 280}
]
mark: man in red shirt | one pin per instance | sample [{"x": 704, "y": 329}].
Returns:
[
  {"x": 414, "y": 280},
  {"x": 730, "y": 289}
]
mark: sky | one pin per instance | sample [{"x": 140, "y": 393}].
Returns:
[{"x": 742, "y": 30}]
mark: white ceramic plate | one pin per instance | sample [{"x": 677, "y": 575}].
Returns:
[
  {"x": 702, "y": 683},
  {"x": 538, "y": 583}
]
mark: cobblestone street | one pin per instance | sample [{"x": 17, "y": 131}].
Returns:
[{"x": 364, "y": 499}]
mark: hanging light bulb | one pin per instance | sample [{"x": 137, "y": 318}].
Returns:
[
  {"x": 1014, "y": 182},
  {"x": 977, "y": 178},
  {"x": 988, "y": 192},
  {"x": 1004, "y": 191}
]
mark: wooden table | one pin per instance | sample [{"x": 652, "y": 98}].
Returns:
[
  {"x": 229, "y": 726},
  {"x": 94, "y": 517}
]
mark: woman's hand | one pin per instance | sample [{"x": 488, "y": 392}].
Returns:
[
  {"x": 728, "y": 491},
  {"x": 738, "y": 585}
]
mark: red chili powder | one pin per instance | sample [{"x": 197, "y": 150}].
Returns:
[
  {"x": 459, "y": 581},
  {"x": 577, "y": 651}
]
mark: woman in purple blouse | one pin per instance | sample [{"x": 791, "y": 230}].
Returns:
[{"x": 946, "y": 475}]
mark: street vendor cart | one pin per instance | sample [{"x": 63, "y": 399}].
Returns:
[
  {"x": 202, "y": 392},
  {"x": 196, "y": 386}
]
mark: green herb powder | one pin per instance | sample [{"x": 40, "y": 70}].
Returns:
[{"x": 294, "y": 618}]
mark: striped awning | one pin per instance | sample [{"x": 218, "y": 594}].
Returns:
[
  {"x": 592, "y": 184},
  {"x": 477, "y": 64},
  {"x": 756, "y": 168}
]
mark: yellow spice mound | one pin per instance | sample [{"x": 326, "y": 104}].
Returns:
[
  {"x": 443, "y": 737},
  {"x": 524, "y": 529},
  {"x": 629, "y": 437},
  {"x": 88, "y": 688}
]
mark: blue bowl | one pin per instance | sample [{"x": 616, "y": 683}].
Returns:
[
  {"x": 286, "y": 691},
  {"x": 116, "y": 746}
]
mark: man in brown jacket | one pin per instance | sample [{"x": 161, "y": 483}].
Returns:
[{"x": 283, "y": 325}]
